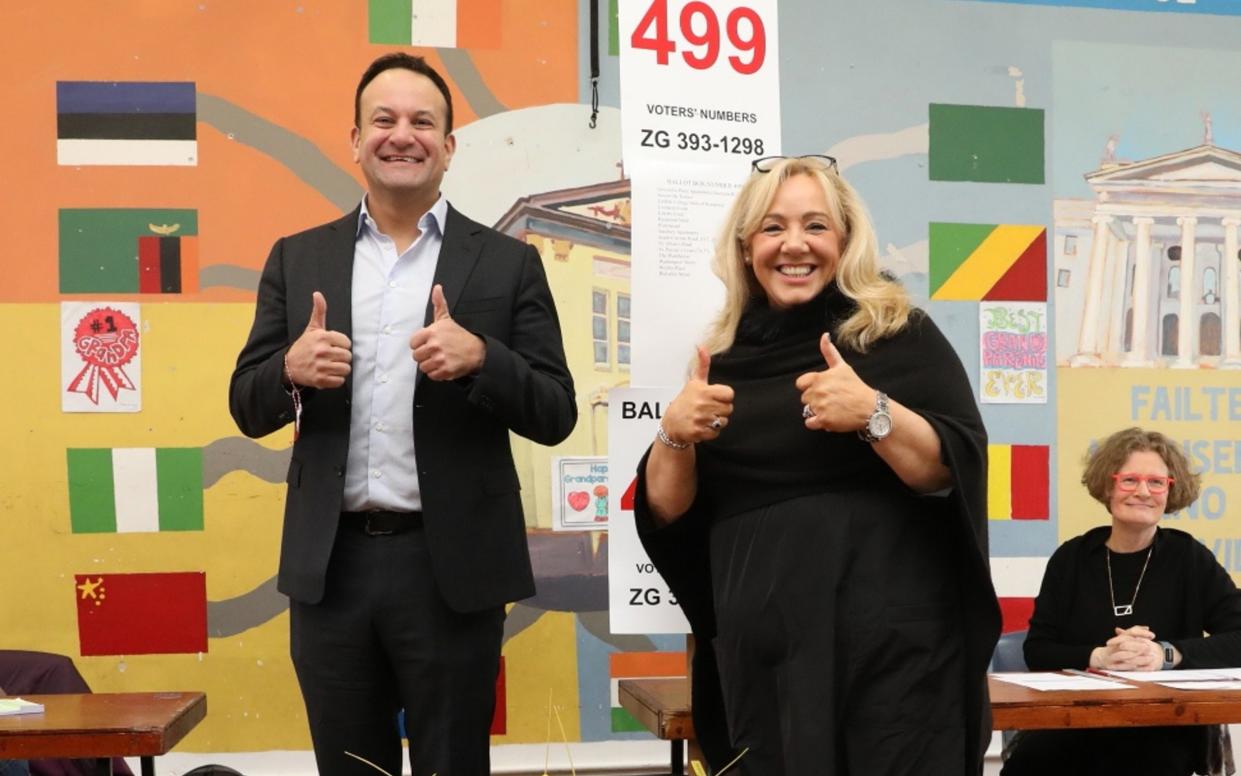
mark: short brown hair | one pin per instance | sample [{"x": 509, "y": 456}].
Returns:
[
  {"x": 400, "y": 59},
  {"x": 1111, "y": 454}
]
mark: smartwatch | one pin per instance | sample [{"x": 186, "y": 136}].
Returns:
[{"x": 1169, "y": 655}]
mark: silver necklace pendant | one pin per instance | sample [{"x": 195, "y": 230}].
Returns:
[{"x": 1123, "y": 611}]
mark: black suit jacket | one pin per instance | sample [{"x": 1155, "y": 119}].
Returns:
[{"x": 495, "y": 286}]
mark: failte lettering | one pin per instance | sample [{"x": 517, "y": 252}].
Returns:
[{"x": 1182, "y": 402}]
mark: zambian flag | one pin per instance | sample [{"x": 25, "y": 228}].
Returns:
[
  {"x": 135, "y": 489},
  {"x": 128, "y": 251}
]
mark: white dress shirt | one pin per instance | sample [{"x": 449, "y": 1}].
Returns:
[{"x": 390, "y": 295}]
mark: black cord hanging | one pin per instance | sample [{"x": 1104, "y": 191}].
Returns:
[{"x": 594, "y": 62}]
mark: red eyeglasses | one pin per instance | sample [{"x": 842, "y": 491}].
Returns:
[{"x": 1155, "y": 483}]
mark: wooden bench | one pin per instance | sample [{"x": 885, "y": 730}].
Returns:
[{"x": 663, "y": 707}]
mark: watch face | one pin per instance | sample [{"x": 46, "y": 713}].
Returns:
[{"x": 880, "y": 425}]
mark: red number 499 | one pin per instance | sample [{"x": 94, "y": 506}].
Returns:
[{"x": 700, "y": 28}]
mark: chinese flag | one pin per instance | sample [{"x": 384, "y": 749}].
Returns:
[{"x": 142, "y": 614}]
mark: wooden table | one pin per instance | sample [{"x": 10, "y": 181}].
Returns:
[
  {"x": 1019, "y": 708},
  {"x": 102, "y": 726},
  {"x": 663, "y": 707}
]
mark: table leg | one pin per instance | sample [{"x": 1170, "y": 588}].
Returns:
[
  {"x": 148, "y": 766},
  {"x": 678, "y": 757},
  {"x": 103, "y": 765}
]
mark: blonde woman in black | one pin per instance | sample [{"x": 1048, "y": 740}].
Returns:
[{"x": 816, "y": 499}]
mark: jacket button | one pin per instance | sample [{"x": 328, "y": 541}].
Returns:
[{"x": 340, "y": 471}]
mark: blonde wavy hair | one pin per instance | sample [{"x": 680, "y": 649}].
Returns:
[{"x": 883, "y": 307}]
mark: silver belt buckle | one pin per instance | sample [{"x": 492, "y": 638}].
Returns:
[{"x": 375, "y": 531}]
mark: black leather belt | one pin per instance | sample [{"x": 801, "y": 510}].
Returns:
[{"x": 381, "y": 523}]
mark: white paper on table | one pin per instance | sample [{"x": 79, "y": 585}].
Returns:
[
  {"x": 1191, "y": 675},
  {"x": 1220, "y": 684},
  {"x": 1048, "y": 680}
]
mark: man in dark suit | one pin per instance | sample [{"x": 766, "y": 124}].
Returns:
[{"x": 405, "y": 342}]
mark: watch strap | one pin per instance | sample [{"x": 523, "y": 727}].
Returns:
[{"x": 1169, "y": 655}]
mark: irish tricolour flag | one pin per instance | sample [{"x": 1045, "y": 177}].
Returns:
[
  {"x": 126, "y": 123},
  {"x": 135, "y": 489},
  {"x": 472, "y": 24}
]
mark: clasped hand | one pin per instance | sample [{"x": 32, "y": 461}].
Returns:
[
  {"x": 1131, "y": 649},
  {"x": 837, "y": 398}
]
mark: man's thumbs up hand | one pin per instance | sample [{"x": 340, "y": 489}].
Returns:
[
  {"x": 320, "y": 357},
  {"x": 444, "y": 350}
]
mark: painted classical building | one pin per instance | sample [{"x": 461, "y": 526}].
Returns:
[{"x": 1147, "y": 272}]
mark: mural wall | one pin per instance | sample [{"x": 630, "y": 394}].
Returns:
[{"x": 1058, "y": 183}]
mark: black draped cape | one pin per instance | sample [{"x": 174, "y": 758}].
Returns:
[{"x": 766, "y": 455}]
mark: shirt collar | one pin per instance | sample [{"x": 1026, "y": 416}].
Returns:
[{"x": 435, "y": 217}]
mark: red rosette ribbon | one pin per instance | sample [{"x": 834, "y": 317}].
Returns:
[{"x": 107, "y": 340}]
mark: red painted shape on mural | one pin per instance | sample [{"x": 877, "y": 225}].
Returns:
[
  {"x": 499, "y": 720},
  {"x": 1026, "y": 280},
  {"x": 1015, "y": 613},
  {"x": 1030, "y": 482}
]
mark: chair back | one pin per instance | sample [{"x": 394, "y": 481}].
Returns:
[{"x": 1009, "y": 653}]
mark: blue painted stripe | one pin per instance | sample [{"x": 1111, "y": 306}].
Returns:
[
  {"x": 125, "y": 97},
  {"x": 1216, "y": 7}
]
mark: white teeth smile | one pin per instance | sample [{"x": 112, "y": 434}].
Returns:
[
  {"x": 799, "y": 271},
  {"x": 400, "y": 159}
]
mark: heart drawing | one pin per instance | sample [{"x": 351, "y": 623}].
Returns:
[{"x": 579, "y": 500}]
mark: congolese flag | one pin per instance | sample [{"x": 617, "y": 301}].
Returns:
[
  {"x": 128, "y": 250},
  {"x": 639, "y": 665},
  {"x": 473, "y": 24},
  {"x": 135, "y": 489},
  {"x": 142, "y": 614},
  {"x": 986, "y": 144},
  {"x": 126, "y": 123},
  {"x": 988, "y": 262},
  {"x": 1017, "y": 482}
]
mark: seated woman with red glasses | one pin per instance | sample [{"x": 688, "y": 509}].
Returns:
[{"x": 1131, "y": 596}]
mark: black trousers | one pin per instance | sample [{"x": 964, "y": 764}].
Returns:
[
  {"x": 1166, "y": 751},
  {"x": 382, "y": 639},
  {"x": 839, "y": 643}
]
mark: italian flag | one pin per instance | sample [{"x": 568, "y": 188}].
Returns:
[
  {"x": 472, "y": 24},
  {"x": 135, "y": 489}
]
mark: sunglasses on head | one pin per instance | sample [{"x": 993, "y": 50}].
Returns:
[{"x": 768, "y": 163}]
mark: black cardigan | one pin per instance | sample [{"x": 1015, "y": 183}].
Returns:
[
  {"x": 1184, "y": 593},
  {"x": 759, "y": 459}
]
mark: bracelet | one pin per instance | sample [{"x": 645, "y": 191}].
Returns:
[
  {"x": 295, "y": 393},
  {"x": 662, "y": 436}
]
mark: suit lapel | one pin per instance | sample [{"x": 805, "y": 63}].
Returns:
[{"x": 458, "y": 255}]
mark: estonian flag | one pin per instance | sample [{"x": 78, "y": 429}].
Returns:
[{"x": 126, "y": 123}]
